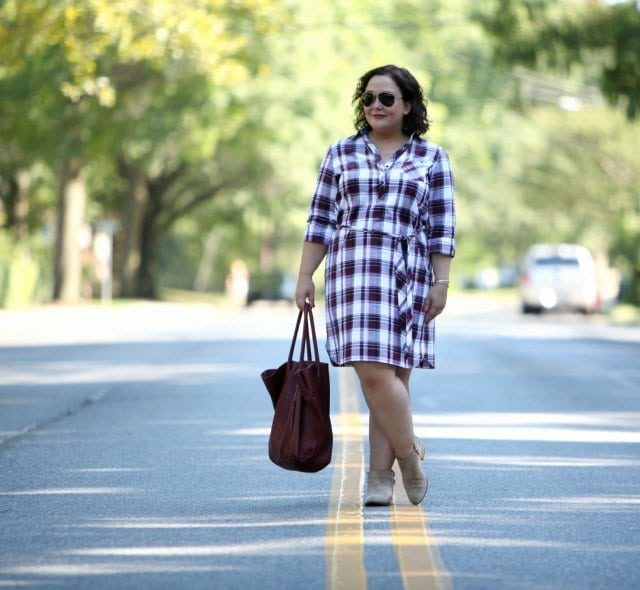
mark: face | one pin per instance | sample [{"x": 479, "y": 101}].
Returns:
[{"x": 385, "y": 120}]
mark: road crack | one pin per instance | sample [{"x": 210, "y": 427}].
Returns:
[{"x": 31, "y": 428}]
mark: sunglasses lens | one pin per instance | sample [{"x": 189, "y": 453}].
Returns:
[{"x": 386, "y": 98}]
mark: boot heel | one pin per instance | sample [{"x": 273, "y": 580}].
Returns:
[
  {"x": 413, "y": 477},
  {"x": 379, "y": 488}
]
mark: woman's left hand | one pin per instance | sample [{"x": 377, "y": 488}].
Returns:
[{"x": 436, "y": 301}]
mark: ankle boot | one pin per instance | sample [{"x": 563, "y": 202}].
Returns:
[
  {"x": 379, "y": 488},
  {"x": 413, "y": 478}
]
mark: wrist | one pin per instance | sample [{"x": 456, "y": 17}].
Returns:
[{"x": 444, "y": 282}]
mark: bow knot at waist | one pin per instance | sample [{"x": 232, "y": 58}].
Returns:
[{"x": 376, "y": 232}]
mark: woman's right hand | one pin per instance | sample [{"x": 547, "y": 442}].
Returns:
[{"x": 305, "y": 289}]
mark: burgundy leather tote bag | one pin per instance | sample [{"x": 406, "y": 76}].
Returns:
[{"x": 301, "y": 436}]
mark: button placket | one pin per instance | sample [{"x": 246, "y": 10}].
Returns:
[
  {"x": 382, "y": 184},
  {"x": 383, "y": 168}
]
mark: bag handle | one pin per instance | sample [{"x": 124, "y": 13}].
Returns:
[
  {"x": 295, "y": 337},
  {"x": 306, "y": 344},
  {"x": 313, "y": 332},
  {"x": 308, "y": 319},
  {"x": 306, "y": 340}
]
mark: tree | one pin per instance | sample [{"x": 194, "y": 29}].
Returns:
[
  {"x": 93, "y": 74},
  {"x": 35, "y": 70},
  {"x": 200, "y": 126},
  {"x": 586, "y": 37},
  {"x": 559, "y": 34}
]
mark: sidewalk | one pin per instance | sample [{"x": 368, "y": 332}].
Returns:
[
  {"x": 143, "y": 320},
  {"x": 134, "y": 321}
]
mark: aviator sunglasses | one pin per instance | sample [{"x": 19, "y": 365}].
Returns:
[{"x": 386, "y": 98}]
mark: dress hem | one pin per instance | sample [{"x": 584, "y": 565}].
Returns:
[{"x": 424, "y": 364}]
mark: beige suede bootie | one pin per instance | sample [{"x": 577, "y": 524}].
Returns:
[
  {"x": 413, "y": 477},
  {"x": 379, "y": 488}
]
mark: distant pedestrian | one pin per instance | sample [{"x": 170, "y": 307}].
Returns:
[{"x": 383, "y": 214}]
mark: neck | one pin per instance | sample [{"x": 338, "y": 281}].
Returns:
[{"x": 396, "y": 137}]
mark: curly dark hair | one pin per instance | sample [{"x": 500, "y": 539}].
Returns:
[{"x": 416, "y": 120}]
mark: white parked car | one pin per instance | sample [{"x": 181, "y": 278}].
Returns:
[{"x": 559, "y": 276}]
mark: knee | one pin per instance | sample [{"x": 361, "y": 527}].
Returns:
[
  {"x": 405, "y": 383},
  {"x": 371, "y": 384},
  {"x": 404, "y": 376},
  {"x": 374, "y": 382}
]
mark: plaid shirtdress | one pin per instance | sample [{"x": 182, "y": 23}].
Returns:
[{"x": 381, "y": 221}]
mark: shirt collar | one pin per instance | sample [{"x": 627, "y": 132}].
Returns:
[{"x": 364, "y": 133}]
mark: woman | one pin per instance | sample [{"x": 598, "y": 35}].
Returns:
[{"x": 383, "y": 214}]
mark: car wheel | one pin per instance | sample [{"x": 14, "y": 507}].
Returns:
[{"x": 530, "y": 308}]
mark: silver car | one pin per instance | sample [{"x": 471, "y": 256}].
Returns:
[{"x": 559, "y": 276}]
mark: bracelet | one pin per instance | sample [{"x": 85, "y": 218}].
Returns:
[{"x": 441, "y": 282}]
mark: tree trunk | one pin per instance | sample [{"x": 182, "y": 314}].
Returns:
[
  {"x": 72, "y": 198},
  {"x": 147, "y": 274},
  {"x": 134, "y": 217},
  {"x": 143, "y": 228},
  {"x": 17, "y": 204},
  {"x": 203, "y": 275}
]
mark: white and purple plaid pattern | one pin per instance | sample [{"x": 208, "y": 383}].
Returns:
[{"x": 381, "y": 222}]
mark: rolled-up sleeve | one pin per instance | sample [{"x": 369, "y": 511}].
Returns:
[
  {"x": 322, "y": 220},
  {"x": 441, "y": 205}
]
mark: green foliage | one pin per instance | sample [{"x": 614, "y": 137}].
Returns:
[
  {"x": 140, "y": 81},
  {"x": 236, "y": 102},
  {"x": 625, "y": 251},
  {"x": 559, "y": 34},
  {"x": 25, "y": 276},
  {"x": 590, "y": 167}
]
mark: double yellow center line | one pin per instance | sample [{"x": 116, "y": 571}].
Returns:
[{"x": 416, "y": 552}]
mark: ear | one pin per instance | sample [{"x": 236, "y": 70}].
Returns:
[{"x": 407, "y": 108}]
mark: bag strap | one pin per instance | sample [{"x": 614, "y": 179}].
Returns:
[
  {"x": 313, "y": 333},
  {"x": 305, "y": 345},
  {"x": 306, "y": 341},
  {"x": 295, "y": 337}
]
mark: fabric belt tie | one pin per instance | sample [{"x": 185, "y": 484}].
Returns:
[{"x": 406, "y": 256}]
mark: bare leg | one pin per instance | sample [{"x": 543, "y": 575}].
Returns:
[
  {"x": 381, "y": 455},
  {"x": 404, "y": 375},
  {"x": 388, "y": 401}
]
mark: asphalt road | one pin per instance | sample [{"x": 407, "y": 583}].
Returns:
[{"x": 133, "y": 455}]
